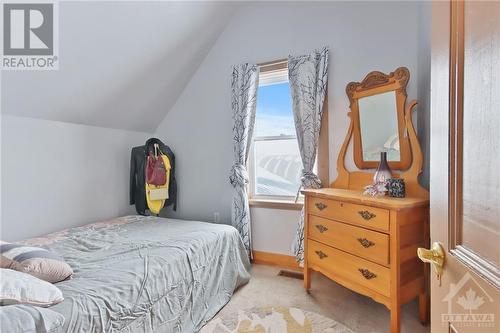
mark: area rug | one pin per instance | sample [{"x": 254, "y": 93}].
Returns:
[{"x": 274, "y": 320}]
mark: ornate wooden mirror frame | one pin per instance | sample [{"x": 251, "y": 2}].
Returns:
[
  {"x": 373, "y": 84},
  {"x": 357, "y": 180}
]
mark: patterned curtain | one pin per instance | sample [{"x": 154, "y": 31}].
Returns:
[
  {"x": 308, "y": 77},
  {"x": 244, "y": 86}
]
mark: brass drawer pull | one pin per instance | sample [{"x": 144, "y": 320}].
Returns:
[
  {"x": 320, "y": 205},
  {"x": 367, "y": 274},
  {"x": 321, "y": 254},
  {"x": 321, "y": 228},
  {"x": 366, "y": 214},
  {"x": 365, "y": 242}
]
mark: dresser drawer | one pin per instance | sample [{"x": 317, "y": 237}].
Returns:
[
  {"x": 347, "y": 212},
  {"x": 348, "y": 267},
  {"x": 362, "y": 242}
]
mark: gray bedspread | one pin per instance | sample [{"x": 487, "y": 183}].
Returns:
[
  {"x": 29, "y": 319},
  {"x": 147, "y": 274}
]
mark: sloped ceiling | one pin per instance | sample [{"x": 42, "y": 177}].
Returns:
[{"x": 122, "y": 64}]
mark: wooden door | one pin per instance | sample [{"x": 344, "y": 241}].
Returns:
[{"x": 465, "y": 165}]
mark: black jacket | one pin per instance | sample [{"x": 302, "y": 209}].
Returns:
[{"x": 137, "y": 176}]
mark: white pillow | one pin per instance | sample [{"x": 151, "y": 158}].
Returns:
[{"x": 21, "y": 288}]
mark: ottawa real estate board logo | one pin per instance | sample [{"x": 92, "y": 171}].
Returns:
[
  {"x": 30, "y": 36},
  {"x": 467, "y": 302}
]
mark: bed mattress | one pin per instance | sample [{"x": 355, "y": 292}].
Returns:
[{"x": 147, "y": 274}]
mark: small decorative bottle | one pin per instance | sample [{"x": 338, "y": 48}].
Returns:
[{"x": 383, "y": 172}]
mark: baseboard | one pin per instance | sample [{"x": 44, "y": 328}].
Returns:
[{"x": 275, "y": 259}]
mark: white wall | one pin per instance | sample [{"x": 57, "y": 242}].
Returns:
[
  {"x": 361, "y": 36},
  {"x": 124, "y": 71},
  {"x": 57, "y": 175},
  {"x": 122, "y": 64},
  {"x": 273, "y": 230},
  {"x": 424, "y": 91}
]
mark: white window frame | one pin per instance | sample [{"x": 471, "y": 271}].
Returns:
[
  {"x": 270, "y": 77},
  {"x": 322, "y": 157}
]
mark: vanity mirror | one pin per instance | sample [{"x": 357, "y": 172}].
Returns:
[
  {"x": 377, "y": 109},
  {"x": 381, "y": 121}
]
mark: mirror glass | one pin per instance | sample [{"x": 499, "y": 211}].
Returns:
[{"x": 378, "y": 119}]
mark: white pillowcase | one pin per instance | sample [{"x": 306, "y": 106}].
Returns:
[{"x": 21, "y": 288}]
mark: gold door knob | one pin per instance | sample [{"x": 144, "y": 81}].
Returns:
[{"x": 435, "y": 256}]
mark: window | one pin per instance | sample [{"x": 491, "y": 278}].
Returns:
[{"x": 274, "y": 164}]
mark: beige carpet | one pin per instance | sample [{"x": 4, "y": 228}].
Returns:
[
  {"x": 274, "y": 320},
  {"x": 327, "y": 298}
]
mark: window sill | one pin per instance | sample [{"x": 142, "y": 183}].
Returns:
[{"x": 275, "y": 204}]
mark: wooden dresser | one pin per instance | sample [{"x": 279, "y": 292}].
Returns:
[{"x": 368, "y": 245}]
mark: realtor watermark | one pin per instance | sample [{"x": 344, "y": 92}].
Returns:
[
  {"x": 30, "y": 35},
  {"x": 465, "y": 300}
]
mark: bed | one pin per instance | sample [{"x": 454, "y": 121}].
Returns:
[{"x": 146, "y": 274}]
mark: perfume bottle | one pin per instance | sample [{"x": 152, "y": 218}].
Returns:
[{"x": 383, "y": 172}]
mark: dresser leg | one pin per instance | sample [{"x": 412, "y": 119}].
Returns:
[
  {"x": 423, "y": 308},
  {"x": 307, "y": 278},
  {"x": 424, "y": 298},
  {"x": 395, "y": 320}
]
